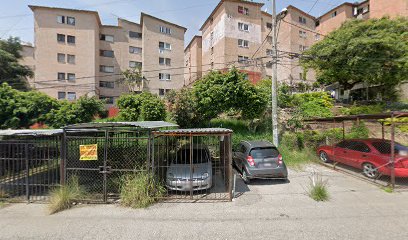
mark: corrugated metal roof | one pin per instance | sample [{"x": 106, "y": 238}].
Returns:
[
  {"x": 194, "y": 131},
  {"x": 143, "y": 124},
  {"x": 360, "y": 117},
  {"x": 31, "y": 132}
]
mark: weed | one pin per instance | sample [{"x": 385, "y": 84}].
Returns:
[
  {"x": 3, "y": 194},
  {"x": 63, "y": 197},
  {"x": 388, "y": 189},
  {"x": 318, "y": 188},
  {"x": 139, "y": 190}
]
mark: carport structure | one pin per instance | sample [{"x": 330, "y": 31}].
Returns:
[
  {"x": 98, "y": 155},
  {"x": 388, "y": 151},
  {"x": 194, "y": 164}
]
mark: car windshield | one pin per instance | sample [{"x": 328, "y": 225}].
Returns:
[
  {"x": 264, "y": 152},
  {"x": 199, "y": 156},
  {"x": 385, "y": 148}
]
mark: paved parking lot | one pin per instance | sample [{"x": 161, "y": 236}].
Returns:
[{"x": 263, "y": 210}]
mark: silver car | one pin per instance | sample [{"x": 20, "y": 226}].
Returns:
[{"x": 191, "y": 169}]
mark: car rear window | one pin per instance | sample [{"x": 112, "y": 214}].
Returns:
[
  {"x": 385, "y": 147},
  {"x": 264, "y": 152},
  {"x": 199, "y": 156}
]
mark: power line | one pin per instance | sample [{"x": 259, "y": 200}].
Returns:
[{"x": 313, "y": 6}]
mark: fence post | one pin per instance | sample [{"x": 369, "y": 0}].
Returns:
[
  {"x": 392, "y": 151},
  {"x": 27, "y": 172},
  {"x": 105, "y": 159},
  {"x": 229, "y": 158},
  {"x": 63, "y": 157}
]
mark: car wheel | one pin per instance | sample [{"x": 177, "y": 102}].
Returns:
[
  {"x": 370, "y": 171},
  {"x": 324, "y": 157},
  {"x": 245, "y": 176}
]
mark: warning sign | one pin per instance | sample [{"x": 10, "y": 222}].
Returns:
[{"x": 88, "y": 152}]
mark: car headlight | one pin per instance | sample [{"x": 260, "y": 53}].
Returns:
[{"x": 204, "y": 176}]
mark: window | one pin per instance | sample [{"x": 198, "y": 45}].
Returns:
[
  {"x": 302, "y": 20},
  {"x": 243, "y": 26},
  {"x": 164, "y": 76},
  {"x": 71, "y": 21},
  {"x": 106, "y": 84},
  {"x": 135, "y": 34},
  {"x": 106, "y": 53},
  {"x": 164, "y": 46},
  {"x": 71, "y": 76},
  {"x": 165, "y": 61},
  {"x": 343, "y": 144},
  {"x": 161, "y": 92},
  {"x": 107, "y": 38},
  {"x": 71, "y": 95},
  {"x": 61, "y": 76},
  {"x": 61, "y": 38},
  {"x": 359, "y": 146},
  {"x": 134, "y": 64},
  {"x": 269, "y": 25},
  {"x": 61, "y": 57},
  {"x": 302, "y": 34},
  {"x": 269, "y": 52},
  {"x": 61, "y": 19},
  {"x": 243, "y": 43},
  {"x": 107, "y": 100},
  {"x": 242, "y": 59},
  {"x": 385, "y": 148},
  {"x": 61, "y": 95},
  {"x": 71, "y": 59},
  {"x": 317, "y": 37},
  {"x": 243, "y": 10},
  {"x": 106, "y": 69},
  {"x": 165, "y": 30},
  {"x": 71, "y": 39},
  {"x": 269, "y": 39},
  {"x": 135, "y": 50},
  {"x": 268, "y": 64},
  {"x": 302, "y": 48},
  {"x": 334, "y": 14}
]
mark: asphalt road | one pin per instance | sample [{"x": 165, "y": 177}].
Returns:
[{"x": 264, "y": 210}]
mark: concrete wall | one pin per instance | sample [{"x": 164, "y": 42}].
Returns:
[
  {"x": 392, "y": 8},
  {"x": 193, "y": 61}
]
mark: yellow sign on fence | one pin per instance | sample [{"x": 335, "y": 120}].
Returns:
[{"x": 88, "y": 152}]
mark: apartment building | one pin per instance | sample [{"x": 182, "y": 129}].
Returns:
[
  {"x": 193, "y": 61},
  {"x": 74, "y": 54},
  {"x": 238, "y": 33}
]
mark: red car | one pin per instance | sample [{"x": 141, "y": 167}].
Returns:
[{"x": 370, "y": 155}]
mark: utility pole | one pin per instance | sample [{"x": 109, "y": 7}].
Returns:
[{"x": 274, "y": 76}]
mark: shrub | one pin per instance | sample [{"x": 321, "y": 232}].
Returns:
[
  {"x": 184, "y": 110},
  {"x": 145, "y": 106},
  {"x": 358, "y": 130},
  {"x": 63, "y": 197},
  {"x": 140, "y": 190},
  {"x": 318, "y": 188},
  {"x": 367, "y": 109}
]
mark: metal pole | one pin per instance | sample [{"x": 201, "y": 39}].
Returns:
[
  {"x": 392, "y": 151},
  {"x": 274, "y": 76}
]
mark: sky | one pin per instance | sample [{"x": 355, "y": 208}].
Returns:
[{"x": 16, "y": 19}]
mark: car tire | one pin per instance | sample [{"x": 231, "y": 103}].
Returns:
[
  {"x": 245, "y": 177},
  {"x": 370, "y": 171},
  {"x": 324, "y": 157}
]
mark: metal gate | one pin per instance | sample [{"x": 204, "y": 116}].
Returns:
[
  {"x": 28, "y": 170},
  {"x": 119, "y": 152}
]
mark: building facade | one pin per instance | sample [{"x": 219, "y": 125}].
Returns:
[
  {"x": 74, "y": 54},
  {"x": 238, "y": 33}
]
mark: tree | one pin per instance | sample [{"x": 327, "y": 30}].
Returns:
[
  {"x": 184, "y": 109},
  {"x": 145, "y": 106},
  {"x": 81, "y": 111},
  {"x": 218, "y": 92},
  {"x": 11, "y": 71},
  {"x": 372, "y": 51},
  {"x": 133, "y": 79}
]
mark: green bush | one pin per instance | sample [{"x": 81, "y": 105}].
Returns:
[
  {"x": 318, "y": 188},
  {"x": 366, "y": 109},
  {"x": 140, "y": 190},
  {"x": 184, "y": 110},
  {"x": 358, "y": 130},
  {"x": 145, "y": 106}
]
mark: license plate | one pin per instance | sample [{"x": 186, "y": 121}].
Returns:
[{"x": 267, "y": 164}]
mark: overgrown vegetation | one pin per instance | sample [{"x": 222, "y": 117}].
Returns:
[
  {"x": 140, "y": 190},
  {"x": 63, "y": 197},
  {"x": 144, "y": 106},
  {"x": 317, "y": 189}
]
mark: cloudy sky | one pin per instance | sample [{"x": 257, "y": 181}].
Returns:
[{"x": 16, "y": 18}]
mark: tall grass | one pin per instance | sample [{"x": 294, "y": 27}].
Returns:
[
  {"x": 140, "y": 190},
  {"x": 318, "y": 188},
  {"x": 3, "y": 194},
  {"x": 63, "y": 197}
]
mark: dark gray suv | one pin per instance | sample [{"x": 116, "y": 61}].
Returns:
[{"x": 259, "y": 159}]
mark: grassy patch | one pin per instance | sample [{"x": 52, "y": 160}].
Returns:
[
  {"x": 63, "y": 197},
  {"x": 388, "y": 189},
  {"x": 140, "y": 190},
  {"x": 318, "y": 188}
]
